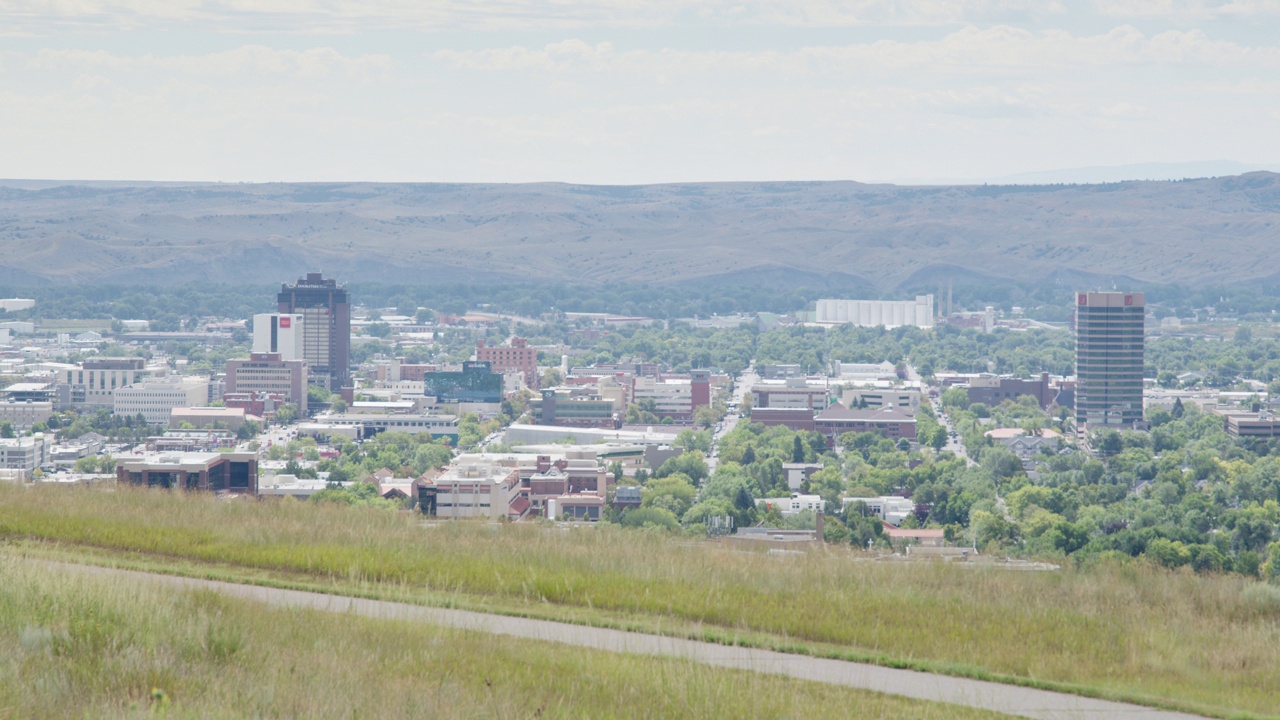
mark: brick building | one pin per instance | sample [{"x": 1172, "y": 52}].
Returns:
[{"x": 516, "y": 355}]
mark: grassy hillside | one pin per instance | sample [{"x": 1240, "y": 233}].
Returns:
[
  {"x": 1122, "y": 631},
  {"x": 846, "y": 234},
  {"x": 88, "y": 647}
]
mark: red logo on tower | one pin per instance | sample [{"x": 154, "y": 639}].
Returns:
[
  {"x": 1128, "y": 299},
  {"x": 1083, "y": 299},
  {"x": 285, "y": 322}
]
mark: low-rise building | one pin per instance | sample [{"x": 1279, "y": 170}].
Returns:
[
  {"x": 156, "y": 399},
  {"x": 892, "y": 422},
  {"x": 890, "y": 509},
  {"x": 259, "y": 404},
  {"x": 25, "y": 413},
  {"x": 674, "y": 397},
  {"x": 571, "y": 487},
  {"x": 476, "y": 382},
  {"x": 797, "y": 473},
  {"x": 797, "y": 420},
  {"x": 916, "y": 536},
  {"x": 472, "y": 490},
  {"x": 1024, "y": 444},
  {"x": 870, "y": 398},
  {"x": 216, "y": 472},
  {"x": 270, "y": 375},
  {"x": 794, "y": 394},
  {"x": 368, "y": 424},
  {"x": 568, "y": 409},
  {"x": 993, "y": 390},
  {"x": 192, "y": 441},
  {"x": 208, "y": 417},
  {"x": 1263, "y": 424},
  {"x": 23, "y": 454},
  {"x": 793, "y": 505},
  {"x": 94, "y": 382}
]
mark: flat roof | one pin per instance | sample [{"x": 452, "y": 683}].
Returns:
[{"x": 210, "y": 411}]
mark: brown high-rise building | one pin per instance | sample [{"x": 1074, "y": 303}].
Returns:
[
  {"x": 326, "y": 327},
  {"x": 517, "y": 355}
]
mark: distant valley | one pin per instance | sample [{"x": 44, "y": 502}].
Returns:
[{"x": 840, "y": 234}]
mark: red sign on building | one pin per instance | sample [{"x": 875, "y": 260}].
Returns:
[{"x": 286, "y": 322}]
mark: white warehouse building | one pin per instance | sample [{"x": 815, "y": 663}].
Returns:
[{"x": 870, "y": 313}]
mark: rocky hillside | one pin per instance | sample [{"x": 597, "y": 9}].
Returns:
[{"x": 1195, "y": 232}]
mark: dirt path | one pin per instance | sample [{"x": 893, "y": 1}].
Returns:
[{"x": 1009, "y": 699}]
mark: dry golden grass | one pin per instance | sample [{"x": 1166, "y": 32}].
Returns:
[
  {"x": 1132, "y": 630},
  {"x": 89, "y": 647}
]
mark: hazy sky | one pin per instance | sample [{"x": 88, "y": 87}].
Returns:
[{"x": 613, "y": 91}]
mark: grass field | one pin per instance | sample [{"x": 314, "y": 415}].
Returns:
[
  {"x": 90, "y": 648},
  {"x": 1130, "y": 632}
]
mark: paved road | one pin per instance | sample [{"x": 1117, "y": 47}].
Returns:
[{"x": 1009, "y": 699}]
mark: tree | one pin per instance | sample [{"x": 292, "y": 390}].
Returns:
[
  {"x": 674, "y": 492},
  {"x": 692, "y": 464},
  {"x": 1178, "y": 411},
  {"x": 6, "y": 429},
  {"x": 1107, "y": 442},
  {"x": 705, "y": 415},
  {"x": 286, "y": 414},
  {"x": 693, "y": 440},
  {"x": 361, "y": 494},
  {"x": 650, "y": 517},
  {"x": 248, "y": 430},
  {"x": 797, "y": 450}
]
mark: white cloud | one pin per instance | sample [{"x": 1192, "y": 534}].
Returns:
[
  {"x": 247, "y": 60},
  {"x": 45, "y": 16},
  {"x": 995, "y": 49},
  {"x": 1187, "y": 10},
  {"x": 985, "y": 96}
]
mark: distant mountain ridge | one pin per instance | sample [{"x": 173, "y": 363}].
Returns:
[{"x": 1196, "y": 232}]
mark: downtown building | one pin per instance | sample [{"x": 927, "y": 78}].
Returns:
[
  {"x": 280, "y": 334},
  {"x": 325, "y": 310},
  {"x": 1109, "y": 359},
  {"x": 266, "y": 376}
]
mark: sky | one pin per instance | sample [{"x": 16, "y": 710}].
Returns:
[{"x": 621, "y": 92}]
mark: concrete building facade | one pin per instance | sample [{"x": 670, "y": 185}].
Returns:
[
  {"x": 872, "y": 313},
  {"x": 24, "y": 454},
  {"x": 24, "y": 414},
  {"x": 156, "y": 399},
  {"x": 279, "y": 333},
  {"x": 272, "y": 375},
  {"x": 1109, "y": 359},
  {"x": 94, "y": 383},
  {"x": 471, "y": 490}
]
